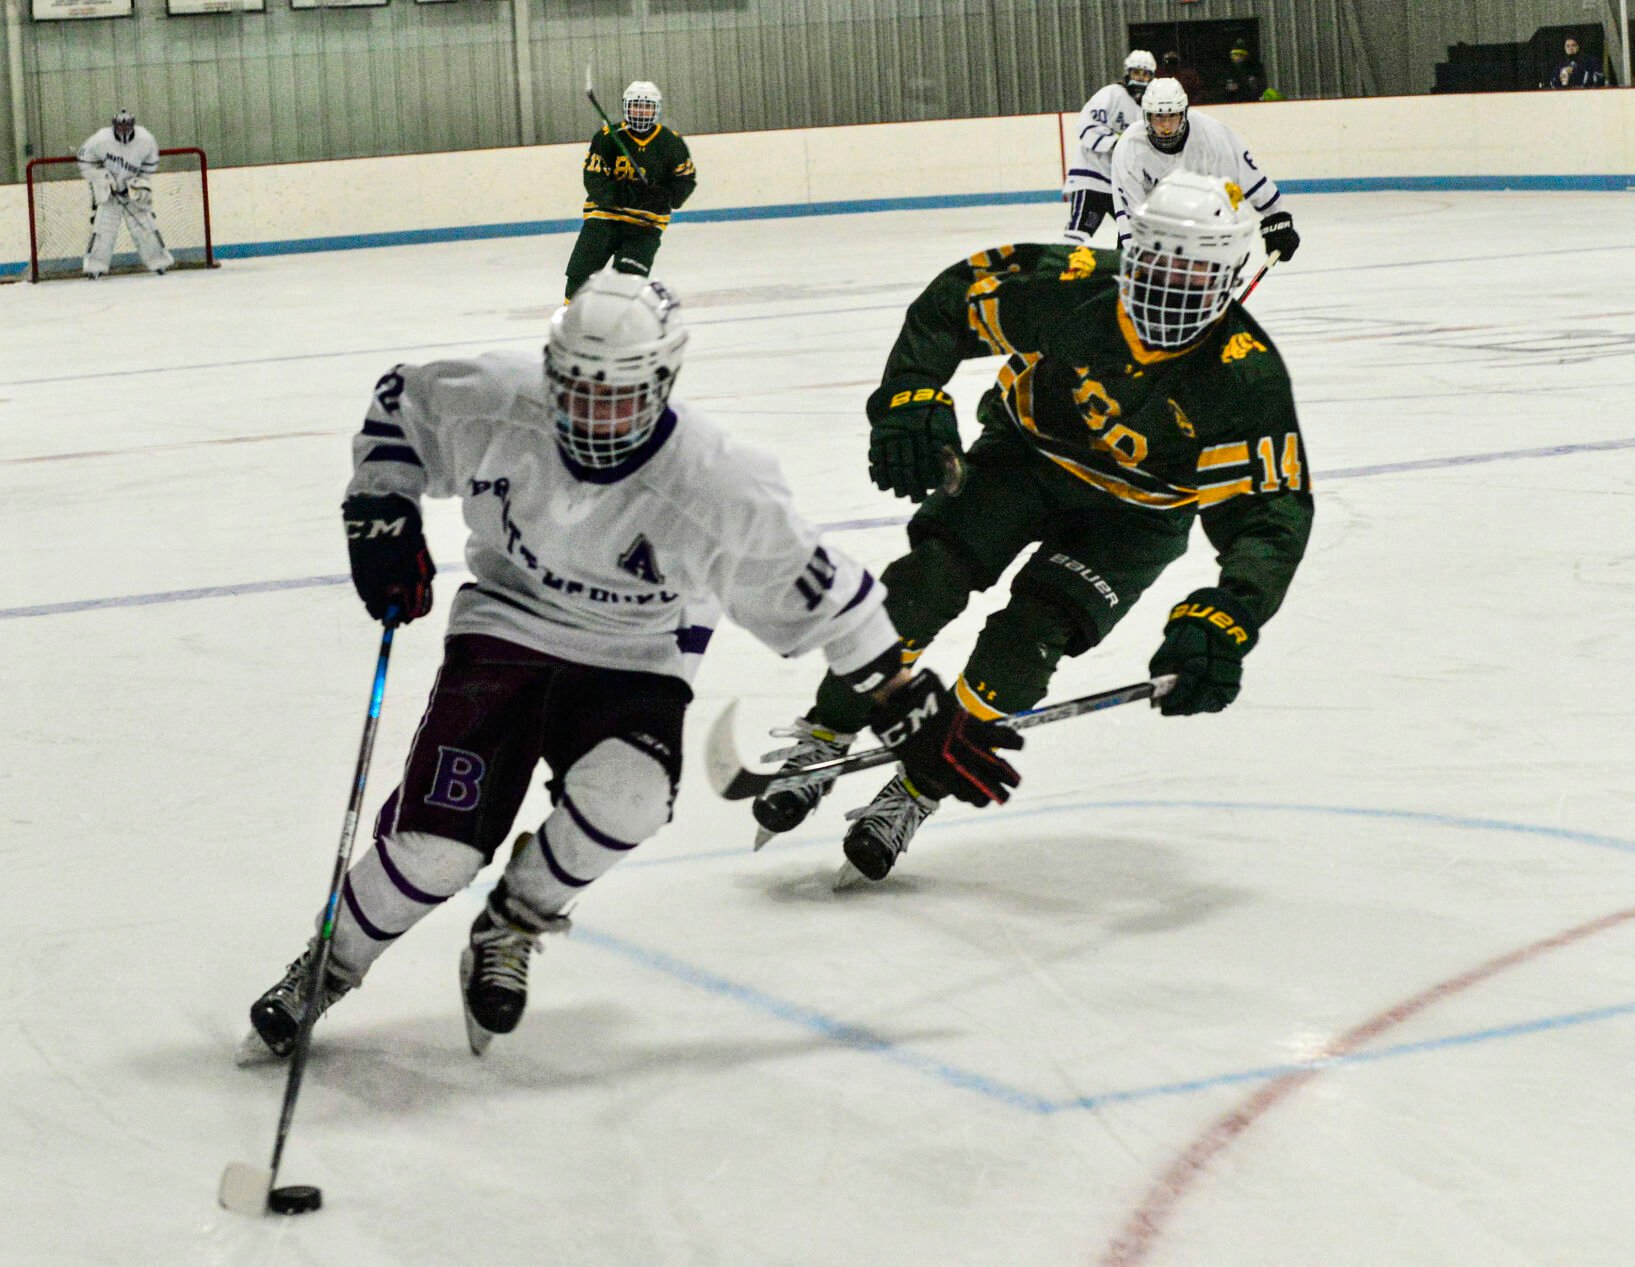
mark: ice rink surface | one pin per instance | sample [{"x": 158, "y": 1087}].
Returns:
[{"x": 1345, "y": 975}]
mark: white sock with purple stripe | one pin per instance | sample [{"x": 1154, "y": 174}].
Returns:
[
  {"x": 400, "y": 881},
  {"x": 613, "y": 798}
]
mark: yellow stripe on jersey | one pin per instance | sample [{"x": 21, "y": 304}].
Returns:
[
  {"x": 627, "y": 215},
  {"x": 983, "y": 317},
  {"x": 1124, "y": 491},
  {"x": 991, "y": 259},
  {"x": 1214, "y": 494},
  {"x": 1140, "y": 351},
  {"x": 973, "y": 703},
  {"x": 1218, "y": 455}
]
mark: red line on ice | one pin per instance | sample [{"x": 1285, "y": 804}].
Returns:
[{"x": 1147, "y": 1223}]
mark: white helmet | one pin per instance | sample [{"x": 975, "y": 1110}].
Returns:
[
  {"x": 1188, "y": 244},
  {"x": 1142, "y": 63},
  {"x": 124, "y": 126},
  {"x": 1165, "y": 96},
  {"x": 641, "y": 105},
  {"x": 611, "y": 360}
]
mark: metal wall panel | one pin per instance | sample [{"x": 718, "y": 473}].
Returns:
[{"x": 286, "y": 85}]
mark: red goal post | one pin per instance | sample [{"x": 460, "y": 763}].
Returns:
[{"x": 59, "y": 215}]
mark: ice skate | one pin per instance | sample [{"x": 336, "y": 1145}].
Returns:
[
  {"x": 881, "y": 830},
  {"x": 494, "y": 967},
  {"x": 275, "y": 1018},
  {"x": 778, "y": 812}
]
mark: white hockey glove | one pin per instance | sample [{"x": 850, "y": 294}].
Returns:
[{"x": 140, "y": 192}]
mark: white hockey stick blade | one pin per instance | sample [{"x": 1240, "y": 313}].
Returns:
[{"x": 244, "y": 1189}]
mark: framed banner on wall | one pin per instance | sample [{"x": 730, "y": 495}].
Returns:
[
  {"x": 65, "y": 10},
  {"x": 185, "y": 8}
]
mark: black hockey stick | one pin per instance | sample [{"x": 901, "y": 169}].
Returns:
[
  {"x": 247, "y": 1189},
  {"x": 732, "y": 780},
  {"x": 590, "y": 91}
]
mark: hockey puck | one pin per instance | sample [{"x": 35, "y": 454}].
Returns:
[{"x": 298, "y": 1198}]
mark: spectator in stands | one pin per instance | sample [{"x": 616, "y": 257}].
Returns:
[
  {"x": 1575, "y": 70},
  {"x": 1191, "y": 83},
  {"x": 1245, "y": 78}
]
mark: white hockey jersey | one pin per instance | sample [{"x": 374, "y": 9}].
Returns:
[
  {"x": 627, "y": 568},
  {"x": 124, "y": 161},
  {"x": 1211, "y": 149},
  {"x": 1102, "y": 121}
]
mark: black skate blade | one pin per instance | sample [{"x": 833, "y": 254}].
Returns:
[{"x": 477, "y": 1037}]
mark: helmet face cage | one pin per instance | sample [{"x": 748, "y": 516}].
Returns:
[
  {"x": 124, "y": 124},
  {"x": 610, "y": 365},
  {"x": 1172, "y": 298},
  {"x": 641, "y": 106},
  {"x": 1165, "y": 97},
  {"x": 1187, "y": 249},
  {"x": 1139, "y": 69}
]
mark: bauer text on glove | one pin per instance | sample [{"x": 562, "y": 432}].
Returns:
[
  {"x": 1277, "y": 232},
  {"x": 1205, "y": 640},
  {"x": 912, "y": 430}
]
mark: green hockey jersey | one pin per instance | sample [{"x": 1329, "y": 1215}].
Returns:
[
  {"x": 1209, "y": 430},
  {"x": 614, "y": 190}
]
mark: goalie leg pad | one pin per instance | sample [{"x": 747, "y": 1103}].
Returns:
[
  {"x": 99, "y": 252},
  {"x": 150, "y": 244},
  {"x": 401, "y": 880},
  {"x": 610, "y": 800}
]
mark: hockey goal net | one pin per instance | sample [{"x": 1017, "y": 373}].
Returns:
[{"x": 60, "y": 211}]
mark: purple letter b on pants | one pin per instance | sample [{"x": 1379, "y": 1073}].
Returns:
[{"x": 457, "y": 784}]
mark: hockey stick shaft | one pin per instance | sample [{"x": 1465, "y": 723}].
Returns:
[
  {"x": 326, "y": 934},
  {"x": 734, "y": 782},
  {"x": 590, "y": 91},
  {"x": 1254, "y": 281}
]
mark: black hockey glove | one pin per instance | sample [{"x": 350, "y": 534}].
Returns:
[
  {"x": 1277, "y": 232},
  {"x": 1205, "y": 641},
  {"x": 913, "y": 437},
  {"x": 391, "y": 567},
  {"x": 944, "y": 750}
]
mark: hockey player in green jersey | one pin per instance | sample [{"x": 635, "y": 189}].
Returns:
[
  {"x": 634, "y": 179},
  {"x": 1136, "y": 396}
]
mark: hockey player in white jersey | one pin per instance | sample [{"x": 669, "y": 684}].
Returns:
[
  {"x": 118, "y": 162},
  {"x": 1089, "y": 184},
  {"x": 608, "y": 528},
  {"x": 1176, "y": 139}
]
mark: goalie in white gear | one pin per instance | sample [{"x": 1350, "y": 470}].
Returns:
[
  {"x": 118, "y": 162},
  {"x": 1089, "y": 185},
  {"x": 1177, "y": 139},
  {"x": 609, "y": 525}
]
